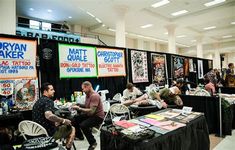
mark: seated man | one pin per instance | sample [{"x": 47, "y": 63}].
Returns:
[
  {"x": 43, "y": 113},
  {"x": 130, "y": 93},
  {"x": 170, "y": 96},
  {"x": 91, "y": 115}
]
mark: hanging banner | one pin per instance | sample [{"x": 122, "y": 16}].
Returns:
[
  {"x": 139, "y": 66},
  {"x": 191, "y": 68},
  {"x": 6, "y": 87},
  {"x": 159, "y": 69},
  {"x": 77, "y": 61},
  {"x": 17, "y": 58},
  {"x": 210, "y": 64},
  {"x": 178, "y": 67},
  {"x": 25, "y": 93},
  {"x": 200, "y": 69},
  {"x": 111, "y": 62},
  {"x": 186, "y": 67}
]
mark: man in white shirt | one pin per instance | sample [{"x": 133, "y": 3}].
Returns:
[{"x": 130, "y": 94}]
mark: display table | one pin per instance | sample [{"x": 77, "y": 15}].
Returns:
[{"x": 194, "y": 136}]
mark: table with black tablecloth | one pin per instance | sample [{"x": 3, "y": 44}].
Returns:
[{"x": 194, "y": 136}]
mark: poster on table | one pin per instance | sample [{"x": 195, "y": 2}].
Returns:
[
  {"x": 200, "y": 69},
  {"x": 191, "y": 65},
  {"x": 139, "y": 66},
  {"x": 76, "y": 61},
  {"x": 17, "y": 58},
  {"x": 25, "y": 93},
  {"x": 210, "y": 64},
  {"x": 6, "y": 87},
  {"x": 186, "y": 67},
  {"x": 159, "y": 72},
  {"x": 110, "y": 62},
  {"x": 178, "y": 67}
]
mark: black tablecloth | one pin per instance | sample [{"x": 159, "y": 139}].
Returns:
[{"x": 194, "y": 136}]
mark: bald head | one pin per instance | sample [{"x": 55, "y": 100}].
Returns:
[{"x": 87, "y": 87}]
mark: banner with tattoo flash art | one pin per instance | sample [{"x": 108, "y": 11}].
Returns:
[
  {"x": 159, "y": 72},
  {"x": 186, "y": 67},
  {"x": 178, "y": 67},
  {"x": 139, "y": 66}
]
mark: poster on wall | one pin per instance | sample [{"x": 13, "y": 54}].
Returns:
[
  {"x": 186, "y": 67},
  {"x": 210, "y": 64},
  {"x": 76, "y": 61},
  {"x": 178, "y": 67},
  {"x": 139, "y": 66},
  {"x": 25, "y": 93},
  {"x": 159, "y": 72},
  {"x": 17, "y": 58},
  {"x": 6, "y": 87},
  {"x": 200, "y": 69},
  {"x": 191, "y": 68},
  {"x": 110, "y": 62}
]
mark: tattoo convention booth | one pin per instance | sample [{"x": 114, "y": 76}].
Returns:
[{"x": 26, "y": 63}]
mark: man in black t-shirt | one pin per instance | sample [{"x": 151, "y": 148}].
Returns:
[{"x": 43, "y": 113}]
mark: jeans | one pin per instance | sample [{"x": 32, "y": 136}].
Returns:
[{"x": 85, "y": 123}]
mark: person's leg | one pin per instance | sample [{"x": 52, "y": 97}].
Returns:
[
  {"x": 76, "y": 123},
  {"x": 70, "y": 138},
  {"x": 86, "y": 126}
]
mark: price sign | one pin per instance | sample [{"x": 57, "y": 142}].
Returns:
[{"x": 6, "y": 87}]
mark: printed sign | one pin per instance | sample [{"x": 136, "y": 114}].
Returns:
[
  {"x": 111, "y": 62},
  {"x": 200, "y": 69},
  {"x": 77, "y": 61},
  {"x": 17, "y": 58},
  {"x": 139, "y": 66},
  {"x": 6, "y": 87},
  {"x": 26, "y": 93},
  {"x": 178, "y": 67}
]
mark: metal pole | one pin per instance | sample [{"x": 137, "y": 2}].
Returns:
[{"x": 220, "y": 114}]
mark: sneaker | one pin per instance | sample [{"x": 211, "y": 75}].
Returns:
[
  {"x": 81, "y": 138},
  {"x": 92, "y": 147}
]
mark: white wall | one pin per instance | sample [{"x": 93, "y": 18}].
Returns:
[{"x": 8, "y": 16}]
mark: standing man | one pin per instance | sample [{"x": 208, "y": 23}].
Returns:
[
  {"x": 43, "y": 113},
  {"x": 92, "y": 114}
]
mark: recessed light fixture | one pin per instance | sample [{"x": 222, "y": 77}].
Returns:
[
  {"x": 181, "y": 36},
  {"x": 147, "y": 26},
  {"x": 98, "y": 20},
  {"x": 209, "y": 28},
  {"x": 70, "y": 17},
  {"x": 233, "y": 22},
  {"x": 49, "y": 10},
  {"x": 227, "y": 36},
  {"x": 103, "y": 25},
  {"x": 179, "y": 13},
  {"x": 90, "y": 14},
  {"x": 31, "y": 9},
  {"x": 214, "y": 2},
  {"x": 193, "y": 40},
  {"x": 161, "y": 3},
  {"x": 166, "y": 33}
]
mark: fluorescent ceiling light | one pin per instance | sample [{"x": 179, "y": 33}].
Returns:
[
  {"x": 193, "y": 40},
  {"x": 227, "y": 36},
  {"x": 166, "y": 33},
  {"x": 31, "y": 9},
  {"x": 103, "y": 25},
  {"x": 214, "y": 3},
  {"x": 181, "y": 36},
  {"x": 179, "y": 13},
  {"x": 233, "y": 22},
  {"x": 209, "y": 28},
  {"x": 90, "y": 14},
  {"x": 111, "y": 29},
  {"x": 97, "y": 19},
  {"x": 147, "y": 26},
  {"x": 161, "y": 3},
  {"x": 70, "y": 17},
  {"x": 49, "y": 10}
]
